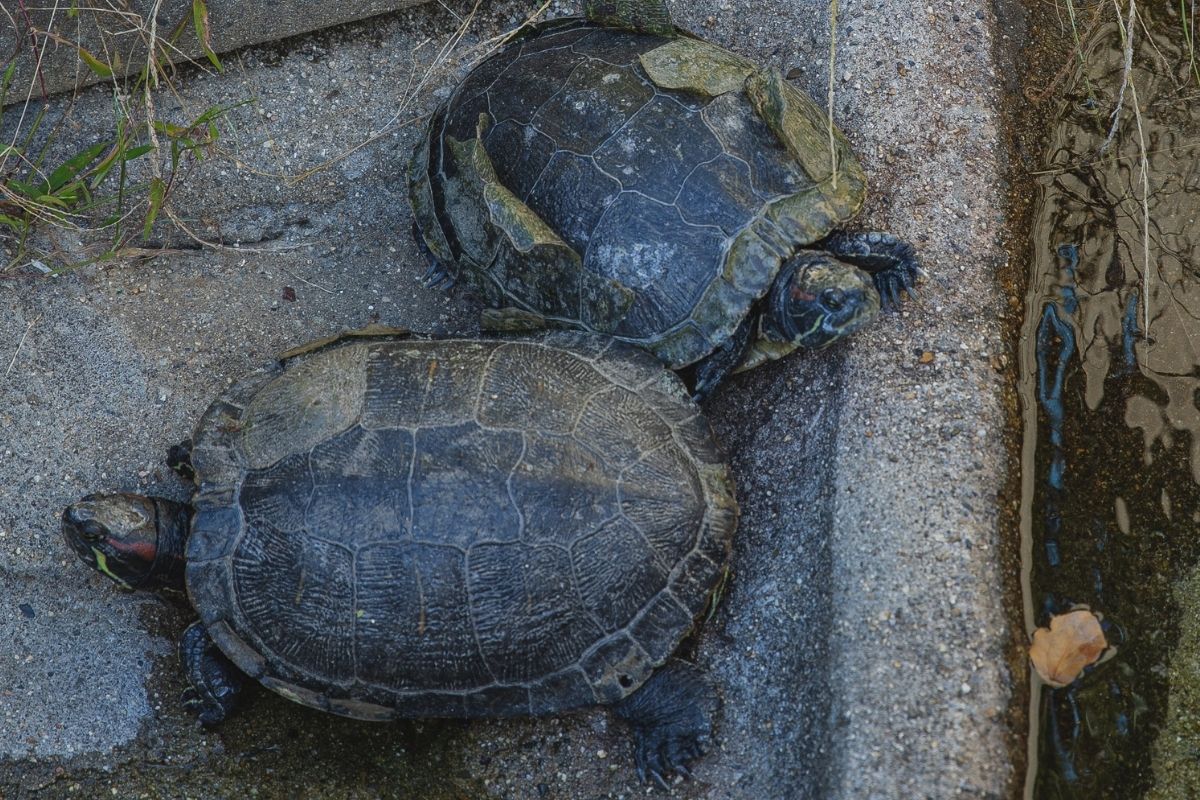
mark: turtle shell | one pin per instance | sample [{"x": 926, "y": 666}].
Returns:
[
  {"x": 456, "y": 528},
  {"x": 643, "y": 187}
]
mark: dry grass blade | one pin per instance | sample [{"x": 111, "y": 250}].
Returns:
[
  {"x": 833, "y": 163},
  {"x": 1040, "y": 96},
  {"x": 1127, "y": 28},
  {"x": 20, "y": 344}
]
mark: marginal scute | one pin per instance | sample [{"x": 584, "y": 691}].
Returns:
[
  {"x": 314, "y": 400},
  {"x": 679, "y": 347},
  {"x": 420, "y": 197},
  {"x": 661, "y": 626},
  {"x": 645, "y": 16},
  {"x": 804, "y": 129},
  {"x": 616, "y": 668},
  {"x": 696, "y": 66}
]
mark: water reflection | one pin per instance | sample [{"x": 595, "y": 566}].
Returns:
[{"x": 1111, "y": 392}]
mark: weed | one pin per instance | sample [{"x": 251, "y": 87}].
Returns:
[{"x": 94, "y": 188}]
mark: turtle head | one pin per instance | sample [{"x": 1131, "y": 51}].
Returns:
[
  {"x": 134, "y": 540},
  {"x": 817, "y": 300}
]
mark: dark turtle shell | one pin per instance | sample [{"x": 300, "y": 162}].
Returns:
[
  {"x": 456, "y": 528},
  {"x": 628, "y": 184}
]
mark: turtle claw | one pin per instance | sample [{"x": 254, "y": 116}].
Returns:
[
  {"x": 891, "y": 282},
  {"x": 657, "y": 758},
  {"x": 671, "y": 717},
  {"x": 438, "y": 278}
]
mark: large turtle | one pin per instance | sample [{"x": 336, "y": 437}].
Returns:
[
  {"x": 395, "y": 527},
  {"x": 616, "y": 174}
]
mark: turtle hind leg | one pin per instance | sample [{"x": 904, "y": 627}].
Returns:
[
  {"x": 890, "y": 260},
  {"x": 672, "y": 720},
  {"x": 179, "y": 459},
  {"x": 216, "y": 684}
]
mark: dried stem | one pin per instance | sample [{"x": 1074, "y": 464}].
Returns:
[{"x": 833, "y": 162}]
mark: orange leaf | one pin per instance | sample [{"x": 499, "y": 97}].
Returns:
[{"x": 1072, "y": 642}]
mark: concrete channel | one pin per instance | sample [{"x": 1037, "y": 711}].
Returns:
[{"x": 863, "y": 647}]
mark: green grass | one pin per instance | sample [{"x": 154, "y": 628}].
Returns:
[{"x": 44, "y": 192}]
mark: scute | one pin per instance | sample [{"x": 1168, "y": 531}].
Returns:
[{"x": 486, "y": 534}]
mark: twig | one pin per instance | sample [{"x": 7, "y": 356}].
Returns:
[
  {"x": 310, "y": 283},
  {"x": 20, "y": 344},
  {"x": 37, "y": 60}
]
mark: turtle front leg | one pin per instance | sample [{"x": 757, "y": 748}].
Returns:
[
  {"x": 437, "y": 276},
  {"x": 672, "y": 720},
  {"x": 718, "y": 365},
  {"x": 216, "y": 684},
  {"x": 179, "y": 459},
  {"x": 891, "y": 261}
]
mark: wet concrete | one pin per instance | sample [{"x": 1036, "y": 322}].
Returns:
[{"x": 860, "y": 645}]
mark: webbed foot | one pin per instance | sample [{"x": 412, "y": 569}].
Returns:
[
  {"x": 179, "y": 459},
  {"x": 891, "y": 261},
  {"x": 216, "y": 684},
  {"x": 672, "y": 720}
]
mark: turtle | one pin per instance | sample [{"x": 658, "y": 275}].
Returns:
[
  {"x": 616, "y": 174},
  {"x": 388, "y": 526}
]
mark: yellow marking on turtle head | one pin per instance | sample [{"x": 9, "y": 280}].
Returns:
[{"x": 102, "y": 565}]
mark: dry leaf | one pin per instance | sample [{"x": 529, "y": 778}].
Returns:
[{"x": 1072, "y": 642}]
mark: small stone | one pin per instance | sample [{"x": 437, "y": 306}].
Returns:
[{"x": 927, "y": 357}]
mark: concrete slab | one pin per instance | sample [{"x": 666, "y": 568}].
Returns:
[
  {"x": 46, "y": 39},
  {"x": 860, "y": 648}
]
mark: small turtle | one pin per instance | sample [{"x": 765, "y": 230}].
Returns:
[
  {"x": 618, "y": 175},
  {"x": 390, "y": 527}
]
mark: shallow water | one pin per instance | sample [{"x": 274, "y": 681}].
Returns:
[{"x": 1110, "y": 388}]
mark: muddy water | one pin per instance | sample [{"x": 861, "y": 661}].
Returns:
[{"x": 1110, "y": 386}]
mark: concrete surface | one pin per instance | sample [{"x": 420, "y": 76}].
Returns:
[
  {"x": 860, "y": 647},
  {"x": 118, "y": 35}
]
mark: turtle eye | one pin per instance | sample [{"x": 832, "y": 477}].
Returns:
[
  {"x": 833, "y": 299},
  {"x": 92, "y": 531}
]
